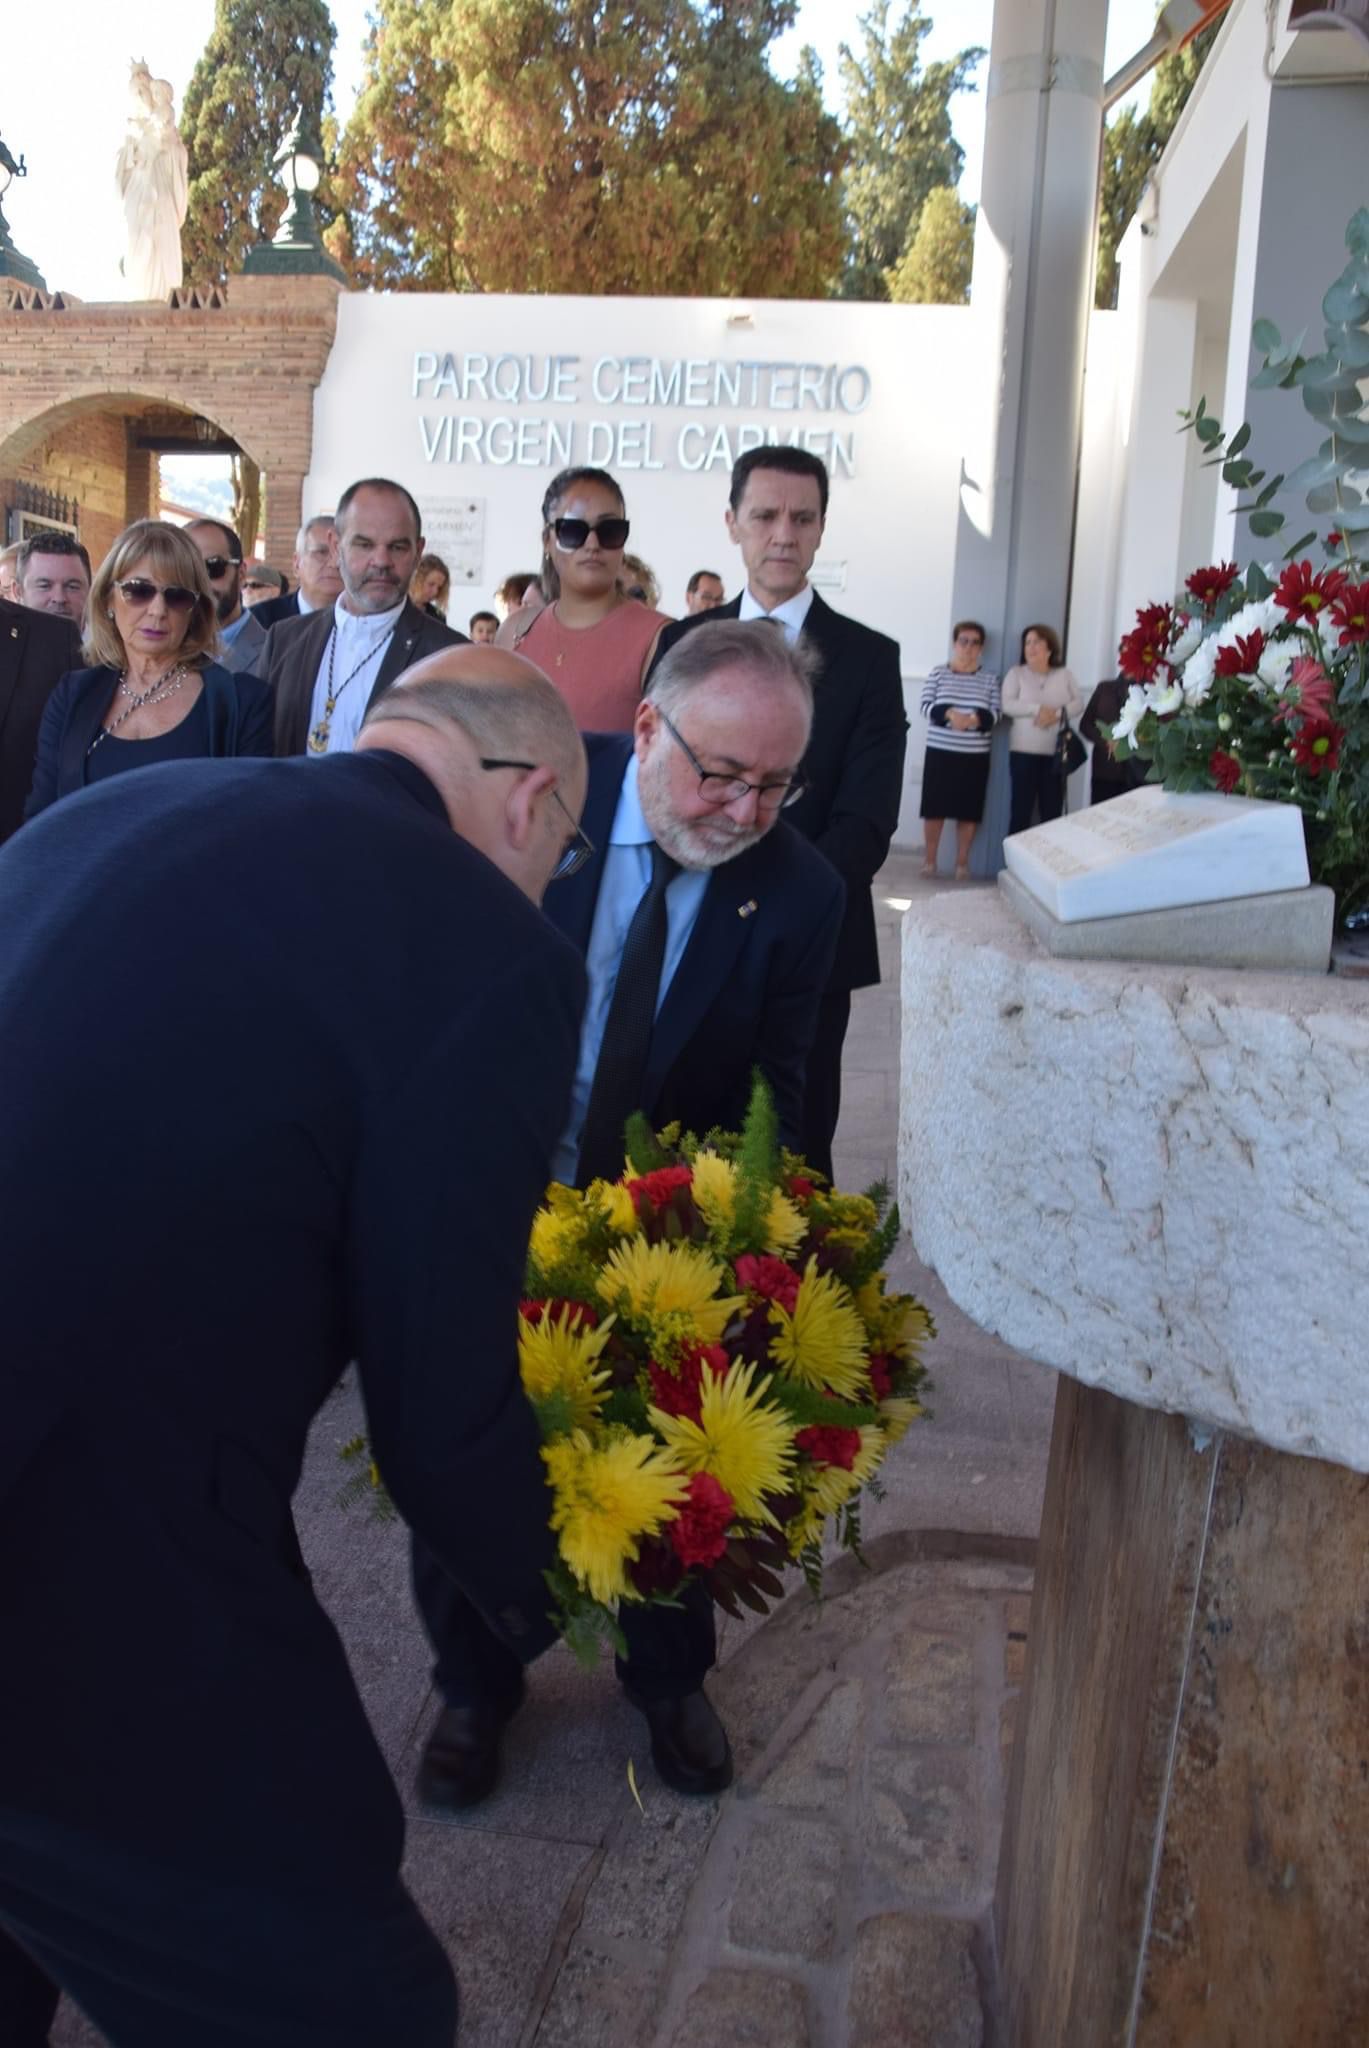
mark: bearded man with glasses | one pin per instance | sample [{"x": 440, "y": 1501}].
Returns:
[
  {"x": 708, "y": 928},
  {"x": 241, "y": 636}
]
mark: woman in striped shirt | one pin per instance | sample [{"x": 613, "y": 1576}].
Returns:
[{"x": 960, "y": 702}]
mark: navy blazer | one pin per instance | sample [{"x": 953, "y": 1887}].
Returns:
[
  {"x": 853, "y": 767},
  {"x": 239, "y": 710},
  {"x": 294, "y": 1058},
  {"x": 746, "y": 992},
  {"x": 36, "y": 651}
]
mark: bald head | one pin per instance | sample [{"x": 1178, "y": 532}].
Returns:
[{"x": 465, "y": 706}]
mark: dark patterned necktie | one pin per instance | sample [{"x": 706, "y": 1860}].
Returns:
[{"x": 621, "y": 1067}]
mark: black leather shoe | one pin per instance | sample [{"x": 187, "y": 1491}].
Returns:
[
  {"x": 460, "y": 1765},
  {"x": 689, "y": 1744}
]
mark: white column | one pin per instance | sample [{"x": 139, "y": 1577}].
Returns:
[{"x": 1030, "y": 298}]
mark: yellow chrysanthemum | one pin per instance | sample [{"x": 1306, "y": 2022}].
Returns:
[
  {"x": 784, "y": 1226},
  {"x": 739, "y": 1440},
  {"x": 606, "y": 1497},
  {"x": 897, "y": 1414},
  {"x": 558, "y": 1228},
  {"x": 853, "y": 1212},
  {"x": 897, "y": 1324},
  {"x": 715, "y": 1190},
  {"x": 823, "y": 1342},
  {"x": 667, "y": 1291},
  {"x": 828, "y": 1487},
  {"x": 616, "y": 1204},
  {"x": 558, "y": 1357}
]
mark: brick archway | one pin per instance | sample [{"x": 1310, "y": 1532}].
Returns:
[{"x": 249, "y": 361}]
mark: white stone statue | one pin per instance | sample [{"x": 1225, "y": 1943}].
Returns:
[{"x": 151, "y": 175}]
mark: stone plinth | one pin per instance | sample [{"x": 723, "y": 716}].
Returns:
[
  {"x": 1154, "y": 1178},
  {"x": 1157, "y": 1179}
]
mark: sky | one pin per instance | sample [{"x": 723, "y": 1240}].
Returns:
[{"x": 67, "y": 118}]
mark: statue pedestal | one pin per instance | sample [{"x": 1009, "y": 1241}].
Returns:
[{"x": 1157, "y": 1180}]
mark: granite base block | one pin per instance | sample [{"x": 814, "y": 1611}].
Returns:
[{"x": 1289, "y": 930}]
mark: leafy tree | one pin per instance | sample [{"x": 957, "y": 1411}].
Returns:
[
  {"x": 1132, "y": 146},
  {"x": 936, "y": 265},
  {"x": 265, "y": 62},
  {"x": 898, "y": 126},
  {"x": 588, "y": 146}
]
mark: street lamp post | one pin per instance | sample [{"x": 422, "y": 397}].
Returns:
[{"x": 297, "y": 250}]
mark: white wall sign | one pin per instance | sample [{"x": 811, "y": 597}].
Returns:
[
  {"x": 454, "y": 528},
  {"x": 578, "y": 429}
]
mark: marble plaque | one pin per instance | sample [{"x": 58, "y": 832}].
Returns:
[{"x": 1151, "y": 850}]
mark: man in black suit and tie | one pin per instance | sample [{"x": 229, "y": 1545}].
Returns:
[
  {"x": 199, "y": 1839},
  {"x": 853, "y": 770},
  {"x": 317, "y": 582},
  {"x": 708, "y": 929},
  {"x": 36, "y": 651},
  {"x": 328, "y": 669}
]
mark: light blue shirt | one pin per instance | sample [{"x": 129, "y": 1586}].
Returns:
[
  {"x": 627, "y": 871},
  {"x": 228, "y": 634}
]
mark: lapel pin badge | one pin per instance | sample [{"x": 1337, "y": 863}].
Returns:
[{"x": 745, "y": 909}]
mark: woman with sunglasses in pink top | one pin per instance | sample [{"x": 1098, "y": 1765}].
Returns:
[
  {"x": 153, "y": 691},
  {"x": 592, "y": 641}
]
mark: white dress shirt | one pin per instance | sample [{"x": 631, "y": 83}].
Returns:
[
  {"x": 356, "y": 648},
  {"x": 791, "y": 614},
  {"x": 627, "y": 871}
]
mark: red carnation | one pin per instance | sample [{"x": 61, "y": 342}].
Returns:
[
  {"x": 1316, "y": 745},
  {"x": 826, "y": 1444},
  {"x": 1207, "y": 585},
  {"x": 660, "y": 1188},
  {"x": 1242, "y": 657},
  {"x": 881, "y": 1376},
  {"x": 577, "y": 1314},
  {"x": 1224, "y": 769},
  {"x": 679, "y": 1391},
  {"x": 699, "y": 1531},
  {"x": 799, "y": 1189},
  {"x": 1304, "y": 594},
  {"x": 1350, "y": 612},
  {"x": 769, "y": 1277}
]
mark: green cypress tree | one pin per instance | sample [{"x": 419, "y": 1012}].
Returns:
[
  {"x": 898, "y": 129},
  {"x": 936, "y": 266},
  {"x": 266, "y": 61}
]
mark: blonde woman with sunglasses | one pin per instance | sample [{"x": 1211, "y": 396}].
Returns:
[
  {"x": 153, "y": 691},
  {"x": 590, "y": 638}
]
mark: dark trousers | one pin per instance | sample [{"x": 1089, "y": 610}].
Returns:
[
  {"x": 1036, "y": 785},
  {"x": 822, "y": 1080},
  {"x": 161, "y": 1961},
  {"x": 669, "y": 1649}
]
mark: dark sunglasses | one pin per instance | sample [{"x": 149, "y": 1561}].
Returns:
[
  {"x": 219, "y": 565},
  {"x": 141, "y": 590},
  {"x": 573, "y": 533},
  {"x": 576, "y": 850}
]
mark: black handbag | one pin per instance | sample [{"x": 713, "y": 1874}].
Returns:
[{"x": 1070, "y": 751}]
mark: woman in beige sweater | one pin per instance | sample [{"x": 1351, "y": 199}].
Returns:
[{"x": 1037, "y": 694}]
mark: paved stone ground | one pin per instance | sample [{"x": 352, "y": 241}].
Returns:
[{"x": 837, "y": 1897}]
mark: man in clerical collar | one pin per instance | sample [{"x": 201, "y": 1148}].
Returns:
[
  {"x": 329, "y": 667},
  {"x": 708, "y": 928},
  {"x": 241, "y": 637}
]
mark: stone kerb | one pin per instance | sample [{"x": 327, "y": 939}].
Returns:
[{"x": 1154, "y": 1179}]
